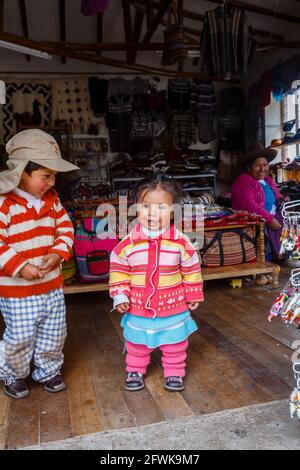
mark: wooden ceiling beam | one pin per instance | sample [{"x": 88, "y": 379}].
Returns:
[
  {"x": 62, "y": 24},
  {"x": 260, "y": 10},
  {"x": 150, "y": 13},
  {"x": 156, "y": 20},
  {"x": 127, "y": 25},
  {"x": 137, "y": 31},
  {"x": 265, "y": 47},
  {"x": 114, "y": 46},
  {"x": 1, "y": 15},
  {"x": 199, "y": 17},
  {"x": 24, "y": 22},
  {"x": 102, "y": 60},
  {"x": 99, "y": 31}
]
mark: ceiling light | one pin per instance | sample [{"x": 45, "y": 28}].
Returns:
[{"x": 24, "y": 50}]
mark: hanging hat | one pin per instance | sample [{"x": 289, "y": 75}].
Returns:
[
  {"x": 257, "y": 150},
  {"x": 32, "y": 145}
]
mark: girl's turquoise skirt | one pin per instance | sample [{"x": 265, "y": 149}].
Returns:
[{"x": 154, "y": 332}]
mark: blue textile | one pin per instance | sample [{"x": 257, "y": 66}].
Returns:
[
  {"x": 270, "y": 199},
  {"x": 154, "y": 332}
]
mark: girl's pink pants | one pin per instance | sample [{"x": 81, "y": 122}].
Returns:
[{"x": 173, "y": 358}]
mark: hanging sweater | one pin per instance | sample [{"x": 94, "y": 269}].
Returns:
[
  {"x": 26, "y": 237},
  {"x": 158, "y": 275}
]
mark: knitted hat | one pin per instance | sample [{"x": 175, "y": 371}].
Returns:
[{"x": 32, "y": 145}]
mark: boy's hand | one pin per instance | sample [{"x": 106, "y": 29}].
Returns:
[
  {"x": 31, "y": 272},
  {"x": 50, "y": 262},
  {"x": 122, "y": 308},
  {"x": 193, "y": 305}
]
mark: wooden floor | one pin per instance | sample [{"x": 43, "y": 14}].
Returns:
[{"x": 235, "y": 359}]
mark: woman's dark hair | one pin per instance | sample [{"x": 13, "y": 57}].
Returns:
[
  {"x": 165, "y": 182},
  {"x": 31, "y": 166}
]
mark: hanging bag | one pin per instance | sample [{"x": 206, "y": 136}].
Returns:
[
  {"x": 91, "y": 252},
  {"x": 175, "y": 49}
]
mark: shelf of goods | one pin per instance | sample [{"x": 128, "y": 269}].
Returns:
[
  {"x": 222, "y": 272},
  {"x": 195, "y": 187}
]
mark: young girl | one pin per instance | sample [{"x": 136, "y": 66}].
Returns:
[{"x": 155, "y": 280}]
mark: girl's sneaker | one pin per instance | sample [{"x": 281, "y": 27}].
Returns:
[
  {"x": 174, "y": 384},
  {"x": 134, "y": 382}
]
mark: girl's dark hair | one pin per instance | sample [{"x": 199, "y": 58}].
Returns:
[
  {"x": 31, "y": 166},
  {"x": 165, "y": 182}
]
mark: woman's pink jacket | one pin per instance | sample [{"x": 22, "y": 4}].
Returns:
[{"x": 248, "y": 195}]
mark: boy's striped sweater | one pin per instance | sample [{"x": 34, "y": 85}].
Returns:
[
  {"x": 158, "y": 275},
  {"x": 25, "y": 237}
]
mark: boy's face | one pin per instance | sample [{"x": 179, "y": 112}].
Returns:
[{"x": 39, "y": 182}]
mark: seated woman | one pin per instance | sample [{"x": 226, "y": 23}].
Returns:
[{"x": 254, "y": 191}]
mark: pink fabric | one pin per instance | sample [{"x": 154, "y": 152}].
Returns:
[
  {"x": 248, "y": 195},
  {"x": 173, "y": 358}
]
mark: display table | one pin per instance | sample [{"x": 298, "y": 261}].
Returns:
[{"x": 222, "y": 272}]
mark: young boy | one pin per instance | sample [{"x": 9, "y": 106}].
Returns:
[{"x": 36, "y": 235}]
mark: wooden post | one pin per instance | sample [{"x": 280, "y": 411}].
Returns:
[{"x": 261, "y": 243}]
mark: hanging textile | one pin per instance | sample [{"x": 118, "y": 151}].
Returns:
[
  {"x": 227, "y": 42},
  {"x": 175, "y": 48},
  {"x": 93, "y": 7},
  {"x": 71, "y": 102},
  {"x": 26, "y": 104}
]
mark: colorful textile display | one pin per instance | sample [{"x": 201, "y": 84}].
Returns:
[{"x": 71, "y": 102}]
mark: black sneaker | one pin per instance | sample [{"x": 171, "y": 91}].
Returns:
[
  {"x": 174, "y": 384},
  {"x": 134, "y": 381},
  {"x": 16, "y": 388},
  {"x": 55, "y": 385}
]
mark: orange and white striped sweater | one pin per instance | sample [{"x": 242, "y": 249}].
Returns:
[
  {"x": 159, "y": 276},
  {"x": 27, "y": 236}
]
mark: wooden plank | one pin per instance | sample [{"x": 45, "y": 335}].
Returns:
[
  {"x": 277, "y": 356},
  {"x": 55, "y": 422},
  {"x": 261, "y": 302},
  {"x": 246, "y": 352},
  {"x": 104, "y": 369},
  {"x": 86, "y": 417},
  {"x": 159, "y": 15},
  {"x": 127, "y": 26},
  {"x": 137, "y": 31},
  {"x": 5, "y": 408},
  {"x": 24, "y": 420},
  {"x": 22, "y": 7}
]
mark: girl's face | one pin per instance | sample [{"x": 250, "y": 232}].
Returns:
[
  {"x": 259, "y": 168},
  {"x": 154, "y": 209},
  {"x": 39, "y": 182}
]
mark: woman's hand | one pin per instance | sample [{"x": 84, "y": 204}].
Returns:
[
  {"x": 123, "y": 308},
  {"x": 193, "y": 305},
  {"x": 275, "y": 225}
]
